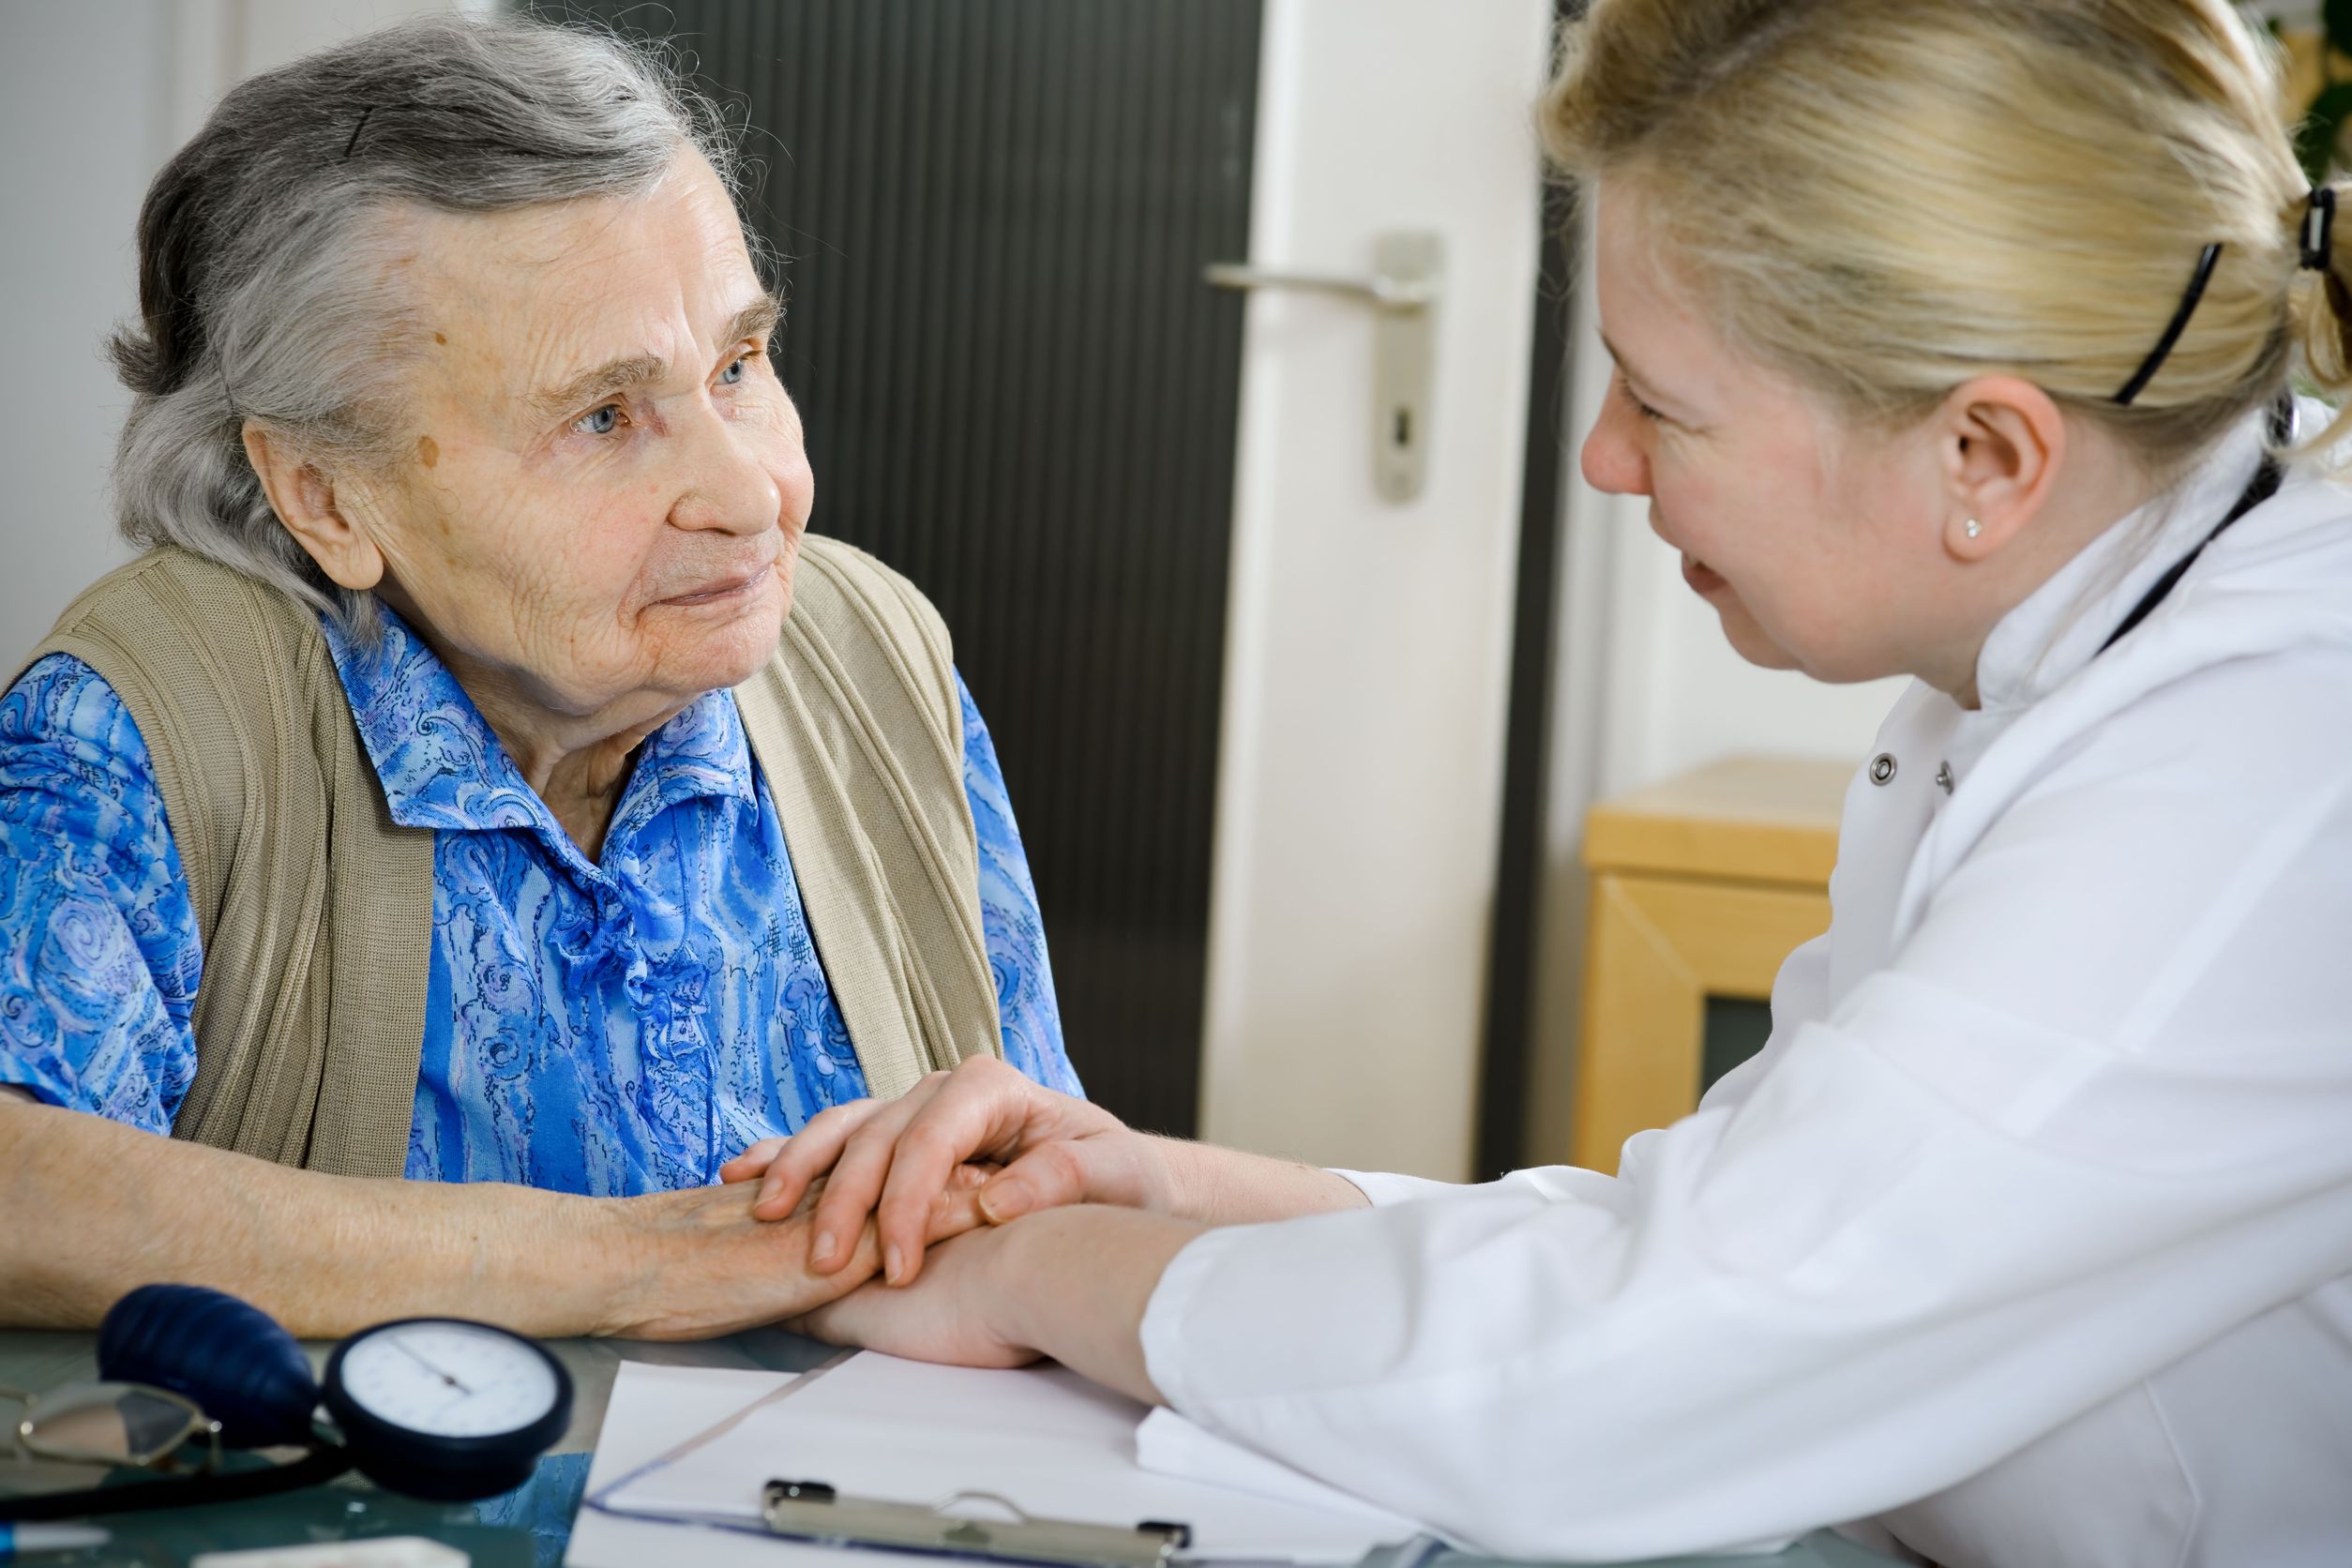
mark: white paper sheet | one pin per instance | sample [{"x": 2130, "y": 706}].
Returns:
[
  {"x": 654, "y": 1409},
  {"x": 1054, "y": 1444},
  {"x": 1168, "y": 1444}
]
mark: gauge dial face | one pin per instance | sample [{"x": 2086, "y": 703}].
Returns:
[{"x": 448, "y": 1379}]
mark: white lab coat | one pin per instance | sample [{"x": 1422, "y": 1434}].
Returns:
[{"x": 2027, "y": 1237}]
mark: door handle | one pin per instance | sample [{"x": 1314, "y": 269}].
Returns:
[
  {"x": 1382, "y": 288},
  {"x": 1407, "y": 279}
]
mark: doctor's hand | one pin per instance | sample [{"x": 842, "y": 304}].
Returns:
[
  {"x": 891, "y": 1159},
  {"x": 1071, "y": 1284},
  {"x": 954, "y": 1314}
]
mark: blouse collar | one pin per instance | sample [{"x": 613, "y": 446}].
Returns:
[{"x": 442, "y": 766}]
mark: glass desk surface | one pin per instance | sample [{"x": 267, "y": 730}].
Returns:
[{"x": 527, "y": 1528}]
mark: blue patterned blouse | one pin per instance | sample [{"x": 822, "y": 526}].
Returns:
[{"x": 605, "y": 1028}]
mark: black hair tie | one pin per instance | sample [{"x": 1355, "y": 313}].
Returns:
[
  {"x": 2318, "y": 255},
  {"x": 2147, "y": 371},
  {"x": 2319, "y": 228}
]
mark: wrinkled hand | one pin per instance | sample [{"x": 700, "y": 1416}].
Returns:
[
  {"x": 949, "y": 1317},
  {"x": 712, "y": 1267},
  {"x": 889, "y": 1157}
]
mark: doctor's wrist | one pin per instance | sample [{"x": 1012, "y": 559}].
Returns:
[
  {"x": 1178, "y": 1183},
  {"x": 1141, "y": 1173},
  {"x": 1072, "y": 1284}
]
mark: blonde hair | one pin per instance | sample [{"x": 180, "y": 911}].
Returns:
[{"x": 1886, "y": 197}]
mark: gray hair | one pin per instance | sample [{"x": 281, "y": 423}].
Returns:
[{"x": 263, "y": 289}]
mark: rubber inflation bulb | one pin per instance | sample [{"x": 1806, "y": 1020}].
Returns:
[{"x": 234, "y": 1359}]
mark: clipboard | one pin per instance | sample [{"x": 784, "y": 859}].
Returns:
[
  {"x": 813, "y": 1512},
  {"x": 857, "y": 1503}
]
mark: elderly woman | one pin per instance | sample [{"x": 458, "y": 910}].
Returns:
[{"x": 444, "y": 815}]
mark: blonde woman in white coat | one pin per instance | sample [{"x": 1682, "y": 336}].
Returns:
[{"x": 1949, "y": 334}]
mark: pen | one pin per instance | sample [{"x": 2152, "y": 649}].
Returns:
[{"x": 16, "y": 1539}]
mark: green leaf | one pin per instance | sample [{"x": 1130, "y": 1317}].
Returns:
[
  {"x": 2322, "y": 127},
  {"x": 2337, "y": 14}
]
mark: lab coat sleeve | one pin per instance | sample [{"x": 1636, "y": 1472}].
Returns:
[
  {"x": 1383, "y": 1188},
  {"x": 2092, "y": 1116}
]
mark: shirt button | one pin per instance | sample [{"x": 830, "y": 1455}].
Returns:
[
  {"x": 1943, "y": 777},
  {"x": 1882, "y": 768}
]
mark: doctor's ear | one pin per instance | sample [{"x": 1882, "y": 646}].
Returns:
[
  {"x": 305, "y": 497},
  {"x": 1999, "y": 443}
]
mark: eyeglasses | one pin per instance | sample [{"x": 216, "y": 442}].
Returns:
[{"x": 112, "y": 1424}]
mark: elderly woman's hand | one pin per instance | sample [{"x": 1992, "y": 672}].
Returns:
[
  {"x": 709, "y": 1267},
  {"x": 889, "y": 1159}
]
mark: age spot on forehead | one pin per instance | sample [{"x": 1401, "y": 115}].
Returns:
[
  {"x": 439, "y": 339},
  {"x": 427, "y": 450}
]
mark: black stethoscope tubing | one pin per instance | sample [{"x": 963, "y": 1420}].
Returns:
[{"x": 2263, "y": 485}]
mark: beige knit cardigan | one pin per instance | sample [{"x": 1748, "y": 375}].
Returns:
[{"x": 315, "y": 907}]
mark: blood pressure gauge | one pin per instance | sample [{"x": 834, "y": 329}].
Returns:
[
  {"x": 438, "y": 1408},
  {"x": 443, "y": 1408}
]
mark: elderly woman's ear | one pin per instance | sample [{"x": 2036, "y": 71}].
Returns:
[{"x": 327, "y": 521}]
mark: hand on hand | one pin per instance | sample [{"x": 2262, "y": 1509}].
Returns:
[
  {"x": 1072, "y": 1283},
  {"x": 891, "y": 1159},
  {"x": 942, "y": 1319},
  {"x": 715, "y": 1266}
]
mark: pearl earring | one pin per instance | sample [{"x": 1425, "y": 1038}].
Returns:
[{"x": 1974, "y": 528}]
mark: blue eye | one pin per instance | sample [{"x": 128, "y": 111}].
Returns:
[
  {"x": 603, "y": 421},
  {"x": 734, "y": 374}
]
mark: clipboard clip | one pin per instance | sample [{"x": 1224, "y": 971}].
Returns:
[{"x": 812, "y": 1510}]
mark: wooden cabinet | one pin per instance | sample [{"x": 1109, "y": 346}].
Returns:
[{"x": 1700, "y": 888}]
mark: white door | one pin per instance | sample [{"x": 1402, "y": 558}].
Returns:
[{"x": 1367, "y": 656}]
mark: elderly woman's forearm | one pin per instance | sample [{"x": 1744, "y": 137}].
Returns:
[{"x": 96, "y": 1209}]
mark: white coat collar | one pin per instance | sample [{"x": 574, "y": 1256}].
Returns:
[{"x": 2062, "y": 625}]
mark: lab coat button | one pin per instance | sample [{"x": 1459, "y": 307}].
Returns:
[
  {"x": 1882, "y": 768},
  {"x": 1943, "y": 777}
]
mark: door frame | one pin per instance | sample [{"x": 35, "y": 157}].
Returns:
[{"x": 1369, "y": 643}]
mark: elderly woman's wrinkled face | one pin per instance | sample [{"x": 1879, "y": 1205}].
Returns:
[{"x": 607, "y": 485}]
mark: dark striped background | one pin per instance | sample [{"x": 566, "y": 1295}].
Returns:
[{"x": 991, "y": 217}]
